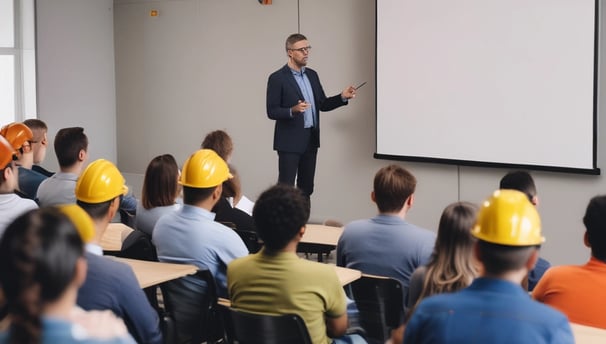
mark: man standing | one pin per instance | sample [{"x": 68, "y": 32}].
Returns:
[
  {"x": 494, "y": 308},
  {"x": 294, "y": 100}
]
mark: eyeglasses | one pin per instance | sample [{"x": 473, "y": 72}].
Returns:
[{"x": 302, "y": 50}]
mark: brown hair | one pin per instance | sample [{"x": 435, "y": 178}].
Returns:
[
  {"x": 451, "y": 266},
  {"x": 220, "y": 142},
  {"x": 160, "y": 185},
  {"x": 392, "y": 187},
  {"x": 294, "y": 38}
]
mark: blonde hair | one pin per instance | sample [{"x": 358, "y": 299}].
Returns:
[{"x": 451, "y": 266}]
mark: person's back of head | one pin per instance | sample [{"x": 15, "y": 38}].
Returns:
[
  {"x": 98, "y": 188},
  {"x": 279, "y": 214},
  {"x": 521, "y": 181},
  {"x": 392, "y": 187},
  {"x": 71, "y": 145},
  {"x": 451, "y": 266},
  {"x": 160, "y": 184},
  {"x": 508, "y": 229},
  {"x": 39, "y": 141},
  {"x": 202, "y": 177},
  {"x": 220, "y": 142},
  {"x": 39, "y": 254},
  {"x": 595, "y": 225}
]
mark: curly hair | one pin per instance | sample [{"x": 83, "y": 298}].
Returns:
[{"x": 279, "y": 214}]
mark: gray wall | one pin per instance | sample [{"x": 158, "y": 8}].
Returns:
[
  {"x": 75, "y": 61},
  {"x": 202, "y": 65}
]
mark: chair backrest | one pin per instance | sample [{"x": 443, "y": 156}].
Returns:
[
  {"x": 138, "y": 245},
  {"x": 380, "y": 305},
  {"x": 199, "y": 321},
  {"x": 250, "y": 238},
  {"x": 251, "y": 328}
]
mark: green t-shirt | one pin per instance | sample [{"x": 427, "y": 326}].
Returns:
[{"x": 283, "y": 283}]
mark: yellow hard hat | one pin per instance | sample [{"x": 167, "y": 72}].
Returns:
[
  {"x": 204, "y": 169},
  {"x": 6, "y": 152},
  {"x": 16, "y": 134},
  {"x": 81, "y": 220},
  {"x": 508, "y": 218},
  {"x": 100, "y": 182}
]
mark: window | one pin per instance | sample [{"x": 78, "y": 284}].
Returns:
[{"x": 17, "y": 61}]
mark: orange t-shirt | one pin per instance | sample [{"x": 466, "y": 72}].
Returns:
[{"x": 577, "y": 291}]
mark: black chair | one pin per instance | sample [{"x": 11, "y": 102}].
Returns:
[
  {"x": 250, "y": 328},
  {"x": 380, "y": 304},
  {"x": 250, "y": 238},
  {"x": 207, "y": 324}
]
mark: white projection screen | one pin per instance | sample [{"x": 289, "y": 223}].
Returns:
[{"x": 488, "y": 82}]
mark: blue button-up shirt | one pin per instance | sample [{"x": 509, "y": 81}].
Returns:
[
  {"x": 489, "y": 311},
  {"x": 305, "y": 87}
]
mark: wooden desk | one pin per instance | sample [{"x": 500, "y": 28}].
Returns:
[
  {"x": 345, "y": 275},
  {"x": 588, "y": 335},
  {"x": 321, "y": 234},
  {"x": 153, "y": 273},
  {"x": 111, "y": 241},
  {"x": 319, "y": 239}
]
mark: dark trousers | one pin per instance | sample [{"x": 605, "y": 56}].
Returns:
[{"x": 302, "y": 166}]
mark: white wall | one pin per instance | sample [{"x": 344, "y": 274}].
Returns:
[
  {"x": 76, "y": 78},
  {"x": 203, "y": 65}
]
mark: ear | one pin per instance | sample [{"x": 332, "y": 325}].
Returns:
[
  {"x": 218, "y": 191},
  {"x": 80, "y": 271},
  {"x": 301, "y": 231},
  {"x": 586, "y": 239},
  {"x": 373, "y": 197},
  {"x": 113, "y": 207},
  {"x": 82, "y": 155},
  {"x": 532, "y": 260},
  {"x": 535, "y": 200},
  {"x": 410, "y": 200}
]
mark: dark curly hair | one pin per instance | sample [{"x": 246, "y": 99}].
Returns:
[{"x": 279, "y": 214}]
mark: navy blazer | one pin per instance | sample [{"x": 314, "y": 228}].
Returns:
[{"x": 283, "y": 93}]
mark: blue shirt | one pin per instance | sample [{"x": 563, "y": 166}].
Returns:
[
  {"x": 385, "y": 245},
  {"x": 60, "y": 331},
  {"x": 29, "y": 180},
  {"x": 488, "y": 311},
  {"x": 305, "y": 87},
  {"x": 191, "y": 236},
  {"x": 112, "y": 285}
]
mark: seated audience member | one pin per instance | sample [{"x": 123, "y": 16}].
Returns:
[
  {"x": 451, "y": 266},
  {"x": 71, "y": 148},
  {"x": 222, "y": 144},
  {"x": 110, "y": 284},
  {"x": 225, "y": 212},
  {"x": 365, "y": 244},
  {"x": 276, "y": 281},
  {"x": 523, "y": 181},
  {"x": 191, "y": 236},
  {"x": 39, "y": 144},
  {"x": 159, "y": 193},
  {"x": 11, "y": 205},
  {"x": 20, "y": 136},
  {"x": 580, "y": 291},
  {"x": 494, "y": 309},
  {"x": 41, "y": 268}
]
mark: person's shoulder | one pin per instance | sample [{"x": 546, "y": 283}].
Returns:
[
  {"x": 357, "y": 226},
  {"x": 279, "y": 72}
]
